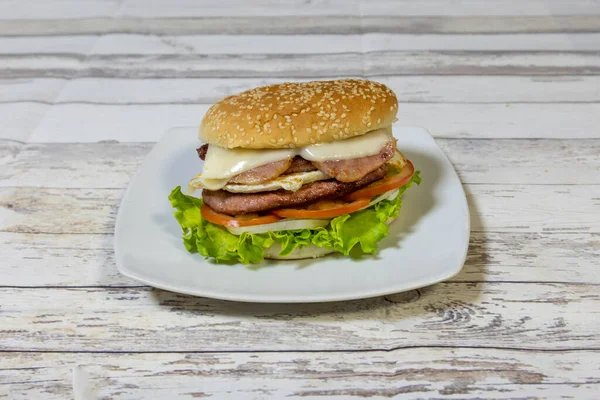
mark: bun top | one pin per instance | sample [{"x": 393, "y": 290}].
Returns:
[{"x": 299, "y": 114}]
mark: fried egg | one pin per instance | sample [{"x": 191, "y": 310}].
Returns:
[{"x": 291, "y": 182}]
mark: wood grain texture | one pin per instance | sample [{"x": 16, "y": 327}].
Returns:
[
  {"x": 302, "y": 44},
  {"x": 294, "y": 24},
  {"x": 46, "y": 9},
  {"x": 376, "y": 63},
  {"x": 359, "y": 7},
  {"x": 32, "y": 260},
  {"x": 520, "y": 320},
  {"x": 111, "y": 165},
  {"x": 19, "y": 120},
  {"x": 497, "y": 315},
  {"x": 409, "y": 89},
  {"x": 423, "y": 373}
]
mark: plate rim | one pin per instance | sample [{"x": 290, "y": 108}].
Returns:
[{"x": 265, "y": 298}]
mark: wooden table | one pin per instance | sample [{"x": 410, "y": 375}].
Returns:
[{"x": 510, "y": 90}]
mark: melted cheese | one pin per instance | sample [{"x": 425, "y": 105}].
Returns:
[
  {"x": 356, "y": 147},
  {"x": 222, "y": 164}
]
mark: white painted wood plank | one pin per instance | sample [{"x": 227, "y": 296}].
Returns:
[
  {"x": 499, "y": 315},
  {"x": 299, "y": 24},
  {"x": 16, "y": 9},
  {"x": 147, "y": 123},
  {"x": 317, "y": 44},
  {"x": 534, "y": 208},
  {"x": 19, "y": 120},
  {"x": 389, "y": 63},
  {"x": 401, "y": 373},
  {"x": 75, "y": 210},
  {"x": 477, "y": 7},
  {"x": 271, "y": 44},
  {"x": 516, "y": 257},
  {"x": 524, "y": 161},
  {"x": 141, "y": 8},
  {"x": 408, "y": 89},
  {"x": 30, "y": 90},
  {"x": 568, "y": 121},
  {"x": 31, "y": 260},
  {"x": 59, "y": 260},
  {"x": 111, "y": 165},
  {"x": 12, "y": 9},
  {"x": 228, "y": 44},
  {"x": 500, "y": 42},
  {"x": 42, "y": 44},
  {"x": 92, "y": 123},
  {"x": 104, "y": 165},
  {"x": 497, "y": 208}
]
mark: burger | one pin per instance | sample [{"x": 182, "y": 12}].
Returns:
[{"x": 295, "y": 170}]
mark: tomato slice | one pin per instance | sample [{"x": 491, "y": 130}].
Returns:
[
  {"x": 384, "y": 185},
  {"x": 226, "y": 220},
  {"x": 325, "y": 209}
]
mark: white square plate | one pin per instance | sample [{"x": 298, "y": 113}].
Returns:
[{"x": 427, "y": 243}]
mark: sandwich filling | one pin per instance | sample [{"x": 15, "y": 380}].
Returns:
[{"x": 238, "y": 182}]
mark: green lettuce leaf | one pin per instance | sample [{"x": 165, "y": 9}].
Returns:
[
  {"x": 214, "y": 241},
  {"x": 363, "y": 229}
]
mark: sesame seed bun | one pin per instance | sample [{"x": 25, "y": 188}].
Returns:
[{"x": 299, "y": 114}]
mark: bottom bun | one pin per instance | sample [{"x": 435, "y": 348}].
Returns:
[{"x": 300, "y": 253}]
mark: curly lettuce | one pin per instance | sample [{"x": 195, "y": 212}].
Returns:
[{"x": 359, "y": 230}]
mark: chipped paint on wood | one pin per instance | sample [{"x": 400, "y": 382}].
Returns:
[
  {"x": 507, "y": 315},
  {"x": 421, "y": 372},
  {"x": 519, "y": 321}
]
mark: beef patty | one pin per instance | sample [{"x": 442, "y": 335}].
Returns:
[{"x": 244, "y": 203}]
